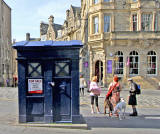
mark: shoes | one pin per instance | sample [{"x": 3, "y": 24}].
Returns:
[
  {"x": 92, "y": 112},
  {"x": 98, "y": 112},
  {"x": 110, "y": 114},
  {"x": 117, "y": 115},
  {"x": 134, "y": 114}
]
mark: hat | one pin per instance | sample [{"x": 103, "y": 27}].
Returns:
[{"x": 130, "y": 79}]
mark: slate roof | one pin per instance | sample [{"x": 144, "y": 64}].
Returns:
[
  {"x": 76, "y": 9},
  {"x": 47, "y": 43},
  {"x": 56, "y": 27},
  {"x": 44, "y": 28}
]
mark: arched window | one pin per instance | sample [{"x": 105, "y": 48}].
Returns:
[
  {"x": 133, "y": 63},
  {"x": 118, "y": 63},
  {"x": 151, "y": 62}
]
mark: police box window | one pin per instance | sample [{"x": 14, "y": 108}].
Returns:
[
  {"x": 35, "y": 81},
  {"x": 34, "y": 69}
]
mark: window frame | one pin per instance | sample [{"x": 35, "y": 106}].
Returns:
[
  {"x": 95, "y": 25},
  {"x": 146, "y": 19},
  {"x": 107, "y": 23},
  {"x": 151, "y": 70},
  {"x": 30, "y": 77},
  {"x": 156, "y": 22},
  {"x": 133, "y": 63},
  {"x": 106, "y": 0},
  {"x": 119, "y": 60},
  {"x": 95, "y": 1},
  {"x": 134, "y": 1},
  {"x": 135, "y": 22}
]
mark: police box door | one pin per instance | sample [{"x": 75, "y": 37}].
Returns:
[{"x": 62, "y": 91}]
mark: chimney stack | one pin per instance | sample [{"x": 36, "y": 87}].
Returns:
[
  {"x": 51, "y": 19},
  {"x": 27, "y": 36}
]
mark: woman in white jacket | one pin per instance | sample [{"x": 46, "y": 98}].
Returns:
[
  {"x": 82, "y": 85},
  {"x": 94, "y": 93}
]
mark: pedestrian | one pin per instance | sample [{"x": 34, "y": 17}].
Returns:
[
  {"x": 82, "y": 85},
  {"x": 132, "y": 97},
  {"x": 95, "y": 91},
  {"x": 113, "y": 94},
  {"x": 7, "y": 82}
]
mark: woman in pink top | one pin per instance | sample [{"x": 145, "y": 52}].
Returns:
[{"x": 94, "y": 93}]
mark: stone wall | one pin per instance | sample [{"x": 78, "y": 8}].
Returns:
[{"x": 5, "y": 44}]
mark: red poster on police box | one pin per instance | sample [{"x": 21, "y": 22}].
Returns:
[{"x": 35, "y": 86}]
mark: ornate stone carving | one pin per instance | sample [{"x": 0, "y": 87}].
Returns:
[{"x": 99, "y": 56}]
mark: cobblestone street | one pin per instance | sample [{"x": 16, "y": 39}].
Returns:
[
  {"x": 147, "y": 99},
  {"x": 147, "y": 122},
  {"x": 148, "y": 111}
]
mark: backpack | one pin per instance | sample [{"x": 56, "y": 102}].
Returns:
[{"x": 138, "y": 89}]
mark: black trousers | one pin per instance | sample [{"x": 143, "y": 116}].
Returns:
[{"x": 96, "y": 100}]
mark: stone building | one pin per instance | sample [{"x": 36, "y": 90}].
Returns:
[
  {"x": 70, "y": 30},
  {"x": 120, "y": 37},
  {"x": 123, "y": 38},
  {"x": 5, "y": 44}
]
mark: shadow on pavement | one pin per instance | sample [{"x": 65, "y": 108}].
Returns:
[{"x": 144, "y": 121}]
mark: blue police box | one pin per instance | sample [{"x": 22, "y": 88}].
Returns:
[{"x": 48, "y": 81}]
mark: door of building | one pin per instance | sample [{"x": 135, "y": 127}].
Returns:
[
  {"x": 99, "y": 70},
  {"x": 61, "y": 91}
]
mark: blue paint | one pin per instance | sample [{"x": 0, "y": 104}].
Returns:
[
  {"x": 50, "y": 61},
  {"x": 47, "y": 43}
]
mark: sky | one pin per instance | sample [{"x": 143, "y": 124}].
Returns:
[{"x": 27, "y": 15}]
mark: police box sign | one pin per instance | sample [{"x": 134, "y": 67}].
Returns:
[{"x": 35, "y": 86}]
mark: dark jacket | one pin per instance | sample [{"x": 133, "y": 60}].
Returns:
[{"x": 132, "y": 98}]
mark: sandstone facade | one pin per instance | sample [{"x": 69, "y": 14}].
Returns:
[
  {"x": 120, "y": 37},
  {"x": 5, "y": 44}
]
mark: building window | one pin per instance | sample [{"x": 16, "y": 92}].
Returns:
[
  {"x": 107, "y": 0},
  {"x": 134, "y": 0},
  {"x": 134, "y": 20},
  {"x": 96, "y": 24},
  {"x": 59, "y": 33},
  {"x": 146, "y": 24},
  {"x": 156, "y": 23},
  {"x": 0, "y": 30},
  {"x": 107, "y": 21},
  {"x": 3, "y": 68},
  {"x": 95, "y": 1},
  {"x": 151, "y": 62},
  {"x": 133, "y": 63},
  {"x": 119, "y": 63}
]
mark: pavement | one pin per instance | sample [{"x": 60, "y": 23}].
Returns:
[{"x": 147, "y": 121}]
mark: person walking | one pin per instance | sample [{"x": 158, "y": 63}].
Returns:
[
  {"x": 113, "y": 93},
  {"x": 132, "y": 97},
  {"x": 95, "y": 91},
  {"x": 7, "y": 82},
  {"x": 82, "y": 85}
]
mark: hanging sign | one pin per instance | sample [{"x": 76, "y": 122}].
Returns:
[
  {"x": 85, "y": 64},
  {"x": 109, "y": 66},
  {"x": 35, "y": 86}
]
